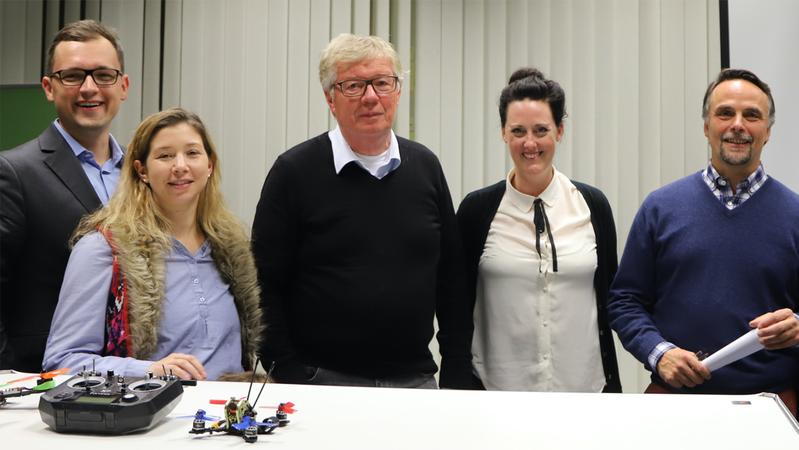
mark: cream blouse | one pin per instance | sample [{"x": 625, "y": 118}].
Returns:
[{"x": 535, "y": 329}]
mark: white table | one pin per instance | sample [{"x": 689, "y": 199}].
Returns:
[{"x": 370, "y": 418}]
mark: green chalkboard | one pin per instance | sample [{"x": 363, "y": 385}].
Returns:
[{"x": 24, "y": 113}]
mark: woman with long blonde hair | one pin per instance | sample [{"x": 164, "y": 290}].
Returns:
[{"x": 162, "y": 279}]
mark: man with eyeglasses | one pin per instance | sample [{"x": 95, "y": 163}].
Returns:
[
  {"x": 49, "y": 183},
  {"x": 355, "y": 242}
]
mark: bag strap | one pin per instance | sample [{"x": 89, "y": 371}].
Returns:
[{"x": 117, "y": 328}]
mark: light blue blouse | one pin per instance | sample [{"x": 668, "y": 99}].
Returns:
[{"x": 198, "y": 313}]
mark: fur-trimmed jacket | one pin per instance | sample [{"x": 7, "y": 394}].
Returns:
[{"x": 143, "y": 268}]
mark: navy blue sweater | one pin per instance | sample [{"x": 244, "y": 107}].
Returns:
[{"x": 695, "y": 273}]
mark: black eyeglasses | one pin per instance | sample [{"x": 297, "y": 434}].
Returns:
[
  {"x": 382, "y": 85},
  {"x": 76, "y": 77}
]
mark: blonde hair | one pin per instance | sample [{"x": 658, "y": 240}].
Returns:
[
  {"x": 349, "y": 48},
  {"x": 132, "y": 214}
]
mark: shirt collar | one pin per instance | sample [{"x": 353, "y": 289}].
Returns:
[
  {"x": 525, "y": 202},
  {"x": 343, "y": 153},
  {"x": 754, "y": 180},
  {"x": 78, "y": 149},
  {"x": 202, "y": 252}
]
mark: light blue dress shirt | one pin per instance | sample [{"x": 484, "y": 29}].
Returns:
[
  {"x": 198, "y": 313},
  {"x": 103, "y": 178}
]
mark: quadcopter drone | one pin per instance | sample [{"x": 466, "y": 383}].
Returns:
[
  {"x": 44, "y": 383},
  {"x": 240, "y": 417}
]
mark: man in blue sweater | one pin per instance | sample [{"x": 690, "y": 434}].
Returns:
[
  {"x": 713, "y": 255},
  {"x": 355, "y": 242}
]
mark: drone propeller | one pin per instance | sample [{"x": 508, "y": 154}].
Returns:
[
  {"x": 217, "y": 401},
  {"x": 287, "y": 407},
  {"x": 44, "y": 376},
  {"x": 200, "y": 415}
]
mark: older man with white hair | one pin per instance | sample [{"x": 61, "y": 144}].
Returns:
[{"x": 356, "y": 245}]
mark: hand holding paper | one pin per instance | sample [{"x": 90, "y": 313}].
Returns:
[
  {"x": 737, "y": 349},
  {"x": 777, "y": 329}
]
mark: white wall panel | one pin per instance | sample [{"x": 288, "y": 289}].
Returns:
[
  {"x": 586, "y": 91},
  {"x": 151, "y": 58},
  {"x": 214, "y": 87},
  {"x": 673, "y": 107},
  {"x": 475, "y": 107},
  {"x": 696, "y": 55},
  {"x": 299, "y": 71},
  {"x": 563, "y": 57},
  {"x": 426, "y": 83},
  {"x": 539, "y": 26},
  {"x": 340, "y": 17},
  {"x": 607, "y": 68},
  {"x": 191, "y": 56},
  {"x": 231, "y": 133},
  {"x": 649, "y": 101},
  {"x": 276, "y": 82},
  {"x": 253, "y": 166},
  {"x": 450, "y": 141},
  {"x": 172, "y": 50},
  {"x": 496, "y": 160},
  {"x": 381, "y": 18},
  {"x": 401, "y": 37},
  {"x": 128, "y": 20},
  {"x": 626, "y": 197},
  {"x": 319, "y": 117},
  {"x": 361, "y": 17}
]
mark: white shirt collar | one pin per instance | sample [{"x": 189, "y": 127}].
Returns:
[
  {"x": 525, "y": 202},
  {"x": 343, "y": 153}
]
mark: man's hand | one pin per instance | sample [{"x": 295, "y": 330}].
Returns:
[
  {"x": 777, "y": 329},
  {"x": 681, "y": 368},
  {"x": 185, "y": 367}
]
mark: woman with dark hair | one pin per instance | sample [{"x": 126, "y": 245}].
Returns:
[{"x": 540, "y": 251}]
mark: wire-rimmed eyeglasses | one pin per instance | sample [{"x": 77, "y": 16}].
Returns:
[
  {"x": 76, "y": 77},
  {"x": 382, "y": 85}
]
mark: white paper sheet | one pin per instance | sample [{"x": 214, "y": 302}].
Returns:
[{"x": 737, "y": 349}]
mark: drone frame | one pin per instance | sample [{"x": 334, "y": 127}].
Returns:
[{"x": 244, "y": 413}]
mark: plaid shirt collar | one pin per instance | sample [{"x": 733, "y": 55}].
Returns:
[{"x": 720, "y": 186}]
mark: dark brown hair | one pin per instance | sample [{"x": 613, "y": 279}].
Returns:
[
  {"x": 738, "y": 74},
  {"x": 530, "y": 83},
  {"x": 82, "y": 31}
]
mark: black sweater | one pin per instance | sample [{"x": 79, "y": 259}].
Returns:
[
  {"x": 353, "y": 268},
  {"x": 475, "y": 215}
]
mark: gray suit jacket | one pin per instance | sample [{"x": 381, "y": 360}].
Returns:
[{"x": 43, "y": 194}]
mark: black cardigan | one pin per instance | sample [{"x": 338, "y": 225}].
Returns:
[{"x": 477, "y": 211}]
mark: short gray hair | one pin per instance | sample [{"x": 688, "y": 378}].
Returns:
[{"x": 349, "y": 48}]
